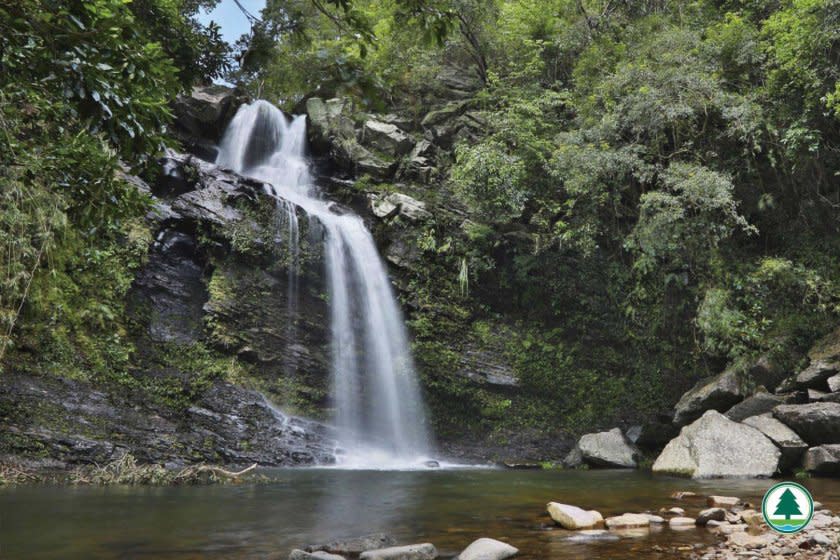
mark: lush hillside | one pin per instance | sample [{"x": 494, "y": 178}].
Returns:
[{"x": 623, "y": 196}]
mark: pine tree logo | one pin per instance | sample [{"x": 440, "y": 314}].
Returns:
[{"x": 787, "y": 507}]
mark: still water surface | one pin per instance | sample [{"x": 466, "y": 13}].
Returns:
[{"x": 449, "y": 508}]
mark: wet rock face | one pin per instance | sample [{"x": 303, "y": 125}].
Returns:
[
  {"x": 170, "y": 290},
  {"x": 59, "y": 423}
]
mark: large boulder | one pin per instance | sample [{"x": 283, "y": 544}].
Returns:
[
  {"x": 386, "y": 138},
  {"x": 717, "y": 393},
  {"x": 608, "y": 449},
  {"x": 487, "y": 549},
  {"x": 816, "y": 375},
  {"x": 205, "y": 113},
  {"x": 816, "y": 423},
  {"x": 332, "y": 132},
  {"x": 715, "y": 446},
  {"x": 823, "y": 460},
  {"x": 786, "y": 440},
  {"x": 759, "y": 403}
]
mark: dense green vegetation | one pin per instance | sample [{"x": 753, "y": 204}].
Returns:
[
  {"x": 85, "y": 88},
  {"x": 654, "y": 192}
]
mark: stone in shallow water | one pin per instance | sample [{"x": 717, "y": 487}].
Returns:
[
  {"x": 711, "y": 514},
  {"x": 317, "y": 555},
  {"x": 627, "y": 521},
  {"x": 590, "y": 535},
  {"x": 722, "y": 501},
  {"x": 681, "y": 522},
  {"x": 355, "y": 545},
  {"x": 424, "y": 551},
  {"x": 571, "y": 517},
  {"x": 487, "y": 549}
]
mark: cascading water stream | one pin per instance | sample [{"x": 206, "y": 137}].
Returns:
[{"x": 379, "y": 411}]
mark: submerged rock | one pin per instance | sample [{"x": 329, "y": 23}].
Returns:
[
  {"x": 317, "y": 555},
  {"x": 715, "y": 446},
  {"x": 593, "y": 535},
  {"x": 355, "y": 545},
  {"x": 608, "y": 449},
  {"x": 424, "y": 551},
  {"x": 627, "y": 521},
  {"x": 487, "y": 549}
]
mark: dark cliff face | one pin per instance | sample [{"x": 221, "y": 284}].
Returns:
[{"x": 212, "y": 322}]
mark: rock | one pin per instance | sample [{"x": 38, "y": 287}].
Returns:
[
  {"x": 759, "y": 403},
  {"x": 211, "y": 430},
  {"x": 765, "y": 372},
  {"x": 318, "y": 555},
  {"x": 206, "y": 111},
  {"x": 786, "y": 440},
  {"x": 833, "y": 383},
  {"x": 730, "y": 529},
  {"x": 722, "y": 501},
  {"x": 677, "y": 522},
  {"x": 627, "y": 521},
  {"x": 487, "y": 549},
  {"x": 596, "y": 515},
  {"x": 608, "y": 449},
  {"x": 431, "y": 464},
  {"x": 571, "y": 517},
  {"x": 685, "y": 495},
  {"x": 710, "y": 514},
  {"x": 677, "y": 511},
  {"x": 398, "y": 204},
  {"x": 718, "y": 393},
  {"x": 816, "y": 423},
  {"x": 748, "y": 541},
  {"x": 654, "y": 435},
  {"x": 424, "y": 551},
  {"x": 386, "y": 137},
  {"x": 823, "y": 460},
  {"x": 821, "y": 539},
  {"x": 593, "y": 535},
  {"x": 573, "y": 458},
  {"x": 816, "y": 375},
  {"x": 355, "y": 545},
  {"x": 654, "y": 519},
  {"x": 633, "y": 433},
  {"x": 751, "y": 517},
  {"x": 715, "y": 446}
]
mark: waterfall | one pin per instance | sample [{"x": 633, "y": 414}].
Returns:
[{"x": 378, "y": 409}]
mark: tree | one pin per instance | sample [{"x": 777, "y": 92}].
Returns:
[{"x": 787, "y": 505}]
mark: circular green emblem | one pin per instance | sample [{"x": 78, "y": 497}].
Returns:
[{"x": 787, "y": 507}]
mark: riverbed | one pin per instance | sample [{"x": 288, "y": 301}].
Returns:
[{"x": 447, "y": 507}]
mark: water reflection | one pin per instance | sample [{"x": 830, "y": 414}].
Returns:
[{"x": 447, "y": 508}]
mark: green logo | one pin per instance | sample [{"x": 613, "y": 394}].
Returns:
[{"x": 787, "y": 507}]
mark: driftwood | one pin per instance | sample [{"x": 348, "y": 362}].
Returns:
[{"x": 218, "y": 471}]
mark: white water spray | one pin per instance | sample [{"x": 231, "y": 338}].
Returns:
[{"x": 379, "y": 411}]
